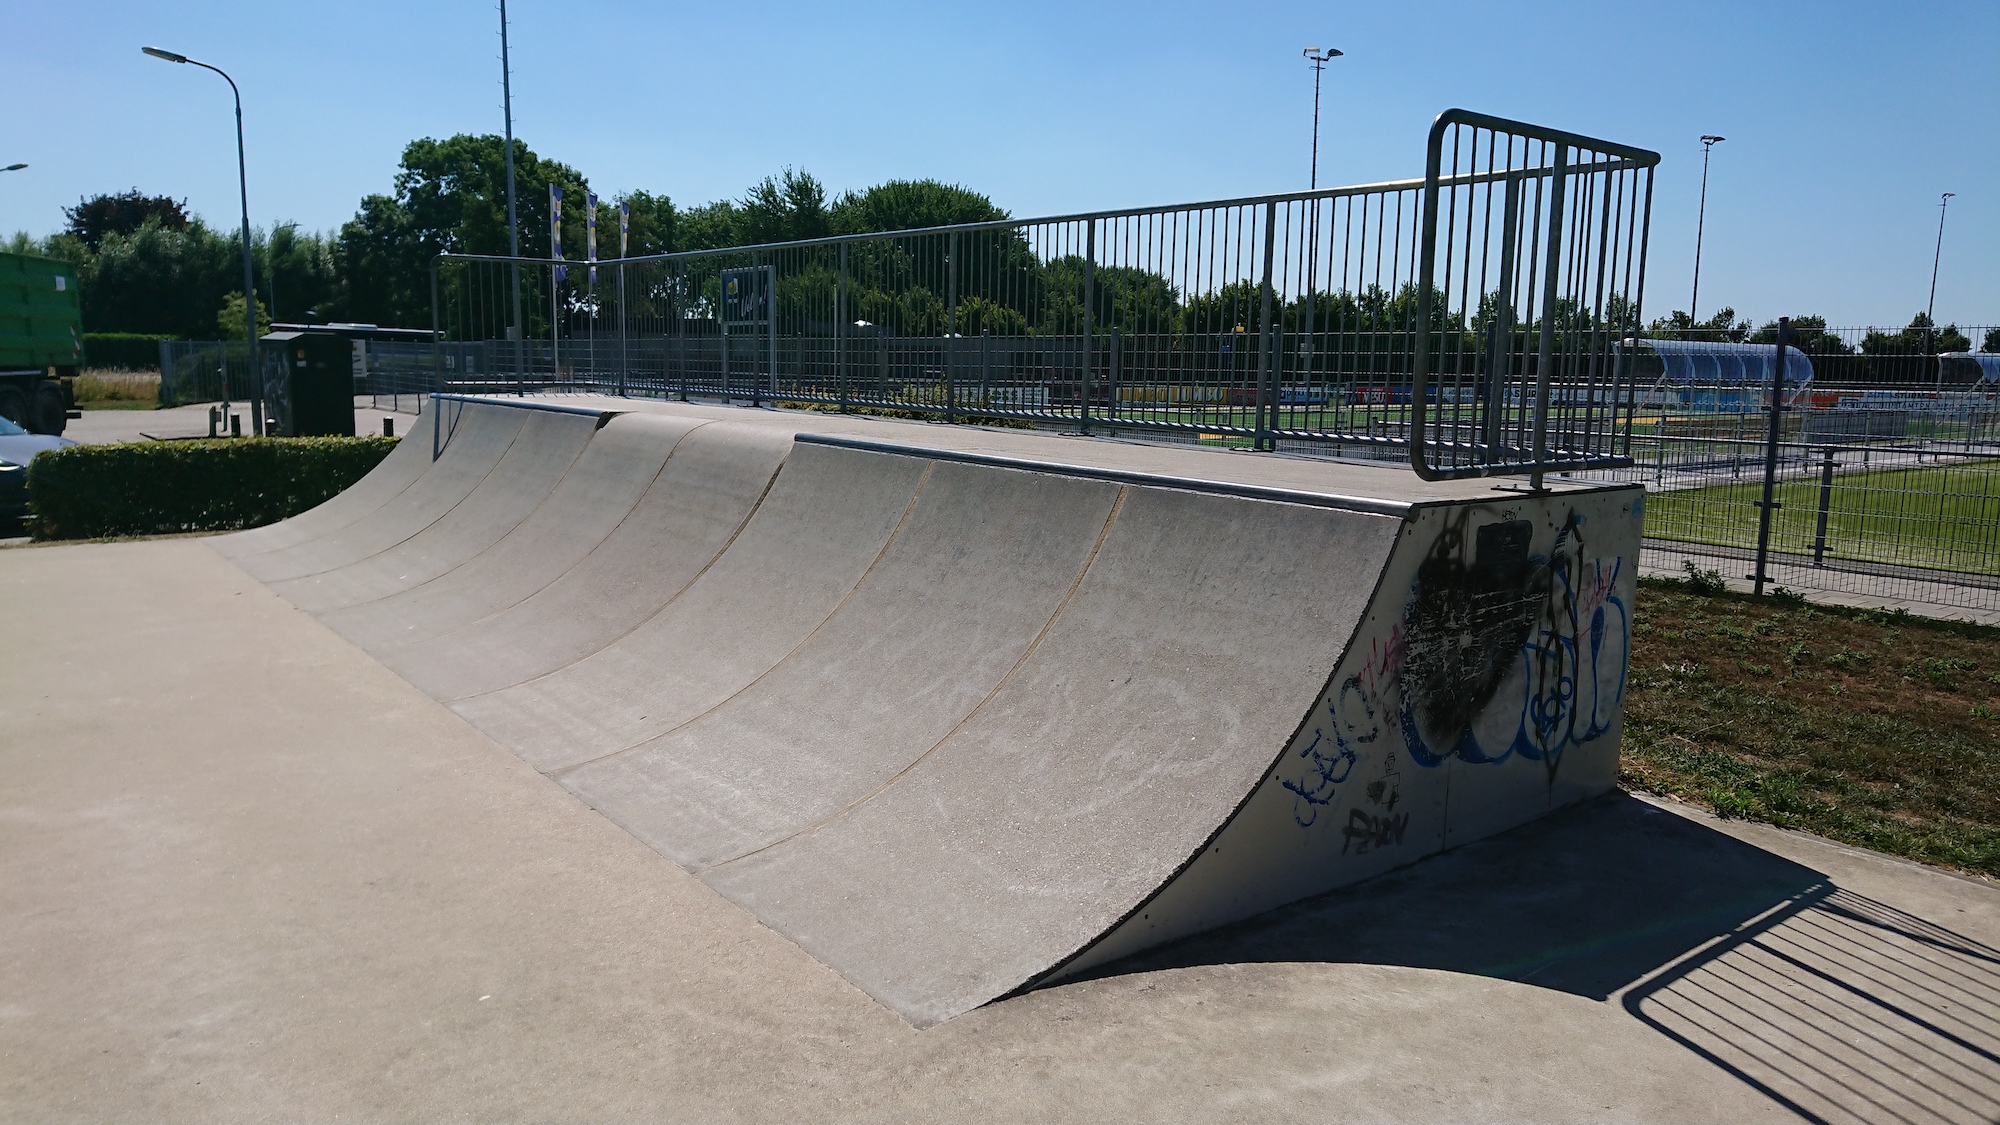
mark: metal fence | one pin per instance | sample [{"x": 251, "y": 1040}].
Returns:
[
  {"x": 1884, "y": 473},
  {"x": 1487, "y": 294},
  {"x": 205, "y": 371}
]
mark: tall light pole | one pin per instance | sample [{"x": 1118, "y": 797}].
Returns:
[
  {"x": 1708, "y": 142},
  {"x": 249, "y": 284},
  {"x": 516, "y": 329},
  {"x": 1930, "y": 307},
  {"x": 1319, "y": 57}
]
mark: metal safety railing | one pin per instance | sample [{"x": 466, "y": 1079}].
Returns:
[
  {"x": 1532, "y": 267},
  {"x": 1317, "y": 321}
]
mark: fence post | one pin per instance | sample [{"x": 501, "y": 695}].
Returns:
[
  {"x": 840, "y": 326},
  {"x": 624, "y": 362},
  {"x": 1825, "y": 505},
  {"x": 1545, "y": 358},
  {"x": 1261, "y": 439},
  {"x": 437, "y": 350},
  {"x": 1089, "y": 297},
  {"x": 1770, "y": 502},
  {"x": 950, "y": 329}
]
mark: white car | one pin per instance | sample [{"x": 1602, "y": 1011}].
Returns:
[{"x": 17, "y": 448}]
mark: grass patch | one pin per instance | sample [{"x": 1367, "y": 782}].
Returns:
[
  {"x": 1947, "y": 516},
  {"x": 114, "y": 389},
  {"x": 1876, "y": 729}
]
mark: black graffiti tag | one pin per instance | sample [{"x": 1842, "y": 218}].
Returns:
[{"x": 1366, "y": 830}]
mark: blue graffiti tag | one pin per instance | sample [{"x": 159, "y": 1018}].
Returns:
[{"x": 1326, "y": 767}]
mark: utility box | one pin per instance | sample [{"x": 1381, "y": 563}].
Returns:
[{"x": 315, "y": 393}]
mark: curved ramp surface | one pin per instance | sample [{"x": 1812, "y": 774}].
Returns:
[{"x": 959, "y": 725}]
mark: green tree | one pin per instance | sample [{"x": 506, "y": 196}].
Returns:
[
  {"x": 229, "y": 318},
  {"x": 100, "y": 215},
  {"x": 1806, "y": 333},
  {"x": 159, "y": 279},
  {"x": 911, "y": 205},
  {"x": 1920, "y": 337},
  {"x": 1992, "y": 342},
  {"x": 450, "y": 196}
]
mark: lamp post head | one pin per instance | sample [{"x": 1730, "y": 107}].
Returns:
[
  {"x": 167, "y": 55},
  {"x": 1711, "y": 138},
  {"x": 13, "y": 168},
  {"x": 1322, "y": 54},
  {"x": 1947, "y": 195}
]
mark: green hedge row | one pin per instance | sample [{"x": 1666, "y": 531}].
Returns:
[
  {"x": 157, "y": 487},
  {"x": 134, "y": 351}
]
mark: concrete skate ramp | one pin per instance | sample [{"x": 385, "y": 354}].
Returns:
[
  {"x": 597, "y": 493},
  {"x": 482, "y": 436},
  {"x": 958, "y": 723},
  {"x": 400, "y": 469}
]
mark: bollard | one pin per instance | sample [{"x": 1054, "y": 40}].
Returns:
[
  {"x": 1826, "y": 469},
  {"x": 388, "y": 427},
  {"x": 236, "y": 425},
  {"x": 214, "y": 421},
  {"x": 270, "y": 427}
]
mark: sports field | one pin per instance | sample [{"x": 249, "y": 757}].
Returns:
[{"x": 1946, "y": 517}]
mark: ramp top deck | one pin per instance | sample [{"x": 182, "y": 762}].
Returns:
[{"x": 1383, "y": 489}]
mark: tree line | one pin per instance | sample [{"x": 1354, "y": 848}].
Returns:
[{"x": 146, "y": 265}]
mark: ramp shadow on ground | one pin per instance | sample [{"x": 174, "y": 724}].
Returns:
[{"x": 1836, "y": 1006}]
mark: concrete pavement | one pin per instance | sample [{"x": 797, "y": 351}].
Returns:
[{"x": 346, "y": 903}]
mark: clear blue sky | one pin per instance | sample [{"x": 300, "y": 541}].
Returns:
[{"x": 1845, "y": 120}]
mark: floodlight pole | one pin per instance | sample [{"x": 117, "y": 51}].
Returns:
[
  {"x": 1708, "y": 142},
  {"x": 1319, "y": 58},
  {"x": 517, "y": 329},
  {"x": 1930, "y": 307},
  {"x": 249, "y": 282}
]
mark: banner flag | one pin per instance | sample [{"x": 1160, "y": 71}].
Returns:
[
  {"x": 624, "y": 230},
  {"x": 555, "y": 230},
  {"x": 590, "y": 232}
]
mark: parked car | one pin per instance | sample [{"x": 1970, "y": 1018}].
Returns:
[{"x": 17, "y": 448}]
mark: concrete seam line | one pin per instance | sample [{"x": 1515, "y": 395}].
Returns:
[
  {"x": 1117, "y": 505},
  {"x": 1124, "y": 476},
  {"x": 567, "y": 469},
  {"x": 637, "y": 625},
  {"x": 794, "y": 650},
  {"x": 661, "y": 471},
  {"x": 483, "y": 477}
]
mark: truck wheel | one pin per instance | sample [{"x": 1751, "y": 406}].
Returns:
[
  {"x": 52, "y": 413},
  {"x": 14, "y": 406}
]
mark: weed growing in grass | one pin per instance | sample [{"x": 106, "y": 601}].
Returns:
[
  {"x": 1703, "y": 581},
  {"x": 1878, "y": 729},
  {"x": 1940, "y": 673}
]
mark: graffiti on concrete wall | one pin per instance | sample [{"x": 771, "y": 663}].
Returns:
[{"x": 1501, "y": 651}]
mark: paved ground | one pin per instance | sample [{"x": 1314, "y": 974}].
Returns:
[
  {"x": 101, "y": 426},
  {"x": 345, "y": 903}
]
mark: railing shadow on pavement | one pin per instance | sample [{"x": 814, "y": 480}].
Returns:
[{"x": 1834, "y": 1005}]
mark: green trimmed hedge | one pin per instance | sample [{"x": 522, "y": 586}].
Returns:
[
  {"x": 159, "y": 487},
  {"x": 133, "y": 351}
]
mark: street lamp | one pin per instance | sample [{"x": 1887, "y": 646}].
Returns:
[
  {"x": 249, "y": 284},
  {"x": 1708, "y": 142},
  {"x": 13, "y": 168},
  {"x": 1319, "y": 57},
  {"x": 1930, "y": 307}
]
